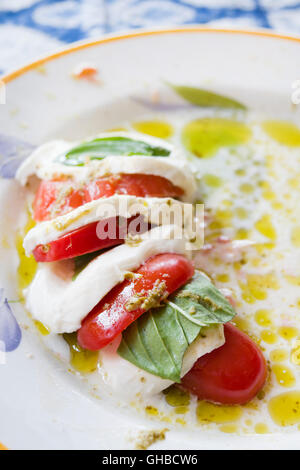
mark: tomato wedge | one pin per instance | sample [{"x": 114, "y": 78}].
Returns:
[
  {"x": 158, "y": 277},
  {"x": 132, "y": 184},
  {"x": 55, "y": 198},
  {"x": 231, "y": 374},
  {"x": 92, "y": 237}
]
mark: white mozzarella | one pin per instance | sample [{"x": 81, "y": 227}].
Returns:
[
  {"x": 155, "y": 210},
  {"x": 128, "y": 381},
  {"x": 42, "y": 164},
  {"x": 61, "y": 303}
]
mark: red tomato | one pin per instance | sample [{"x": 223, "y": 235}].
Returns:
[
  {"x": 113, "y": 313},
  {"x": 231, "y": 374},
  {"x": 54, "y": 198},
  {"x": 92, "y": 237},
  {"x": 133, "y": 184}
]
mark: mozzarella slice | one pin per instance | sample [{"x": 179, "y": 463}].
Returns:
[
  {"x": 61, "y": 304},
  {"x": 157, "y": 211},
  {"x": 128, "y": 381},
  {"x": 174, "y": 168}
]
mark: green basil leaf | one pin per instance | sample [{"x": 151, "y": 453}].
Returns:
[
  {"x": 205, "y": 98},
  {"x": 157, "y": 341},
  {"x": 80, "y": 262},
  {"x": 98, "y": 149}
]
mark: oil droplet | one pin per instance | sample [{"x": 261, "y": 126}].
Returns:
[
  {"x": 44, "y": 330},
  {"x": 116, "y": 129},
  {"x": 229, "y": 428},
  {"x": 247, "y": 188},
  {"x": 242, "y": 234},
  {"x": 268, "y": 336},
  {"x": 212, "y": 180},
  {"x": 284, "y": 375},
  {"x": 262, "y": 248},
  {"x": 295, "y": 353},
  {"x": 295, "y": 236},
  {"x": 181, "y": 421},
  {"x": 223, "y": 277},
  {"x": 83, "y": 360},
  {"x": 284, "y": 132},
  {"x": 263, "y": 317},
  {"x": 261, "y": 428},
  {"x": 227, "y": 203},
  {"x": 257, "y": 286},
  {"x": 180, "y": 410},
  {"x": 251, "y": 405},
  {"x": 241, "y": 213},
  {"x": 256, "y": 262},
  {"x": 267, "y": 192},
  {"x": 285, "y": 408},
  {"x": 241, "y": 323},
  {"x": 215, "y": 225},
  {"x": 278, "y": 355},
  {"x": 210, "y": 237},
  {"x": 277, "y": 205},
  {"x": 159, "y": 129},
  {"x": 27, "y": 264},
  {"x": 223, "y": 217},
  {"x": 5, "y": 242},
  {"x": 210, "y": 413},
  {"x": 203, "y": 137},
  {"x": 177, "y": 397},
  {"x": 151, "y": 410},
  {"x": 294, "y": 280},
  {"x": 288, "y": 332},
  {"x": 265, "y": 227},
  {"x": 294, "y": 182}
]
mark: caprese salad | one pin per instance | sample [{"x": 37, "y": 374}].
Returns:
[{"x": 134, "y": 294}]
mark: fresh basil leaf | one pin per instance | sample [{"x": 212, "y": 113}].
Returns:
[
  {"x": 158, "y": 340},
  {"x": 205, "y": 98},
  {"x": 98, "y": 149},
  {"x": 80, "y": 262}
]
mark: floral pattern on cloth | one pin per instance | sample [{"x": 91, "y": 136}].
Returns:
[
  {"x": 10, "y": 332},
  {"x": 12, "y": 153},
  {"x": 31, "y": 28}
]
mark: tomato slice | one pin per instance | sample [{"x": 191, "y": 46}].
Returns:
[
  {"x": 55, "y": 198},
  {"x": 92, "y": 237},
  {"x": 132, "y": 184},
  {"x": 231, "y": 374},
  {"x": 115, "y": 311}
]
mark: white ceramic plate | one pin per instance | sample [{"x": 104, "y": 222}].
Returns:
[{"x": 43, "y": 406}]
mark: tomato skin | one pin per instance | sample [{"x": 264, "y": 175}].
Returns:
[
  {"x": 55, "y": 198},
  {"x": 110, "y": 317},
  {"x": 45, "y": 205},
  {"x": 85, "y": 240},
  {"x": 231, "y": 374},
  {"x": 132, "y": 184}
]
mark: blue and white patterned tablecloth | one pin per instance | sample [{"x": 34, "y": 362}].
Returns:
[{"x": 30, "y": 28}]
